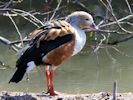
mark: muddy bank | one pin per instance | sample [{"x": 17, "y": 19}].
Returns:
[{"x": 43, "y": 96}]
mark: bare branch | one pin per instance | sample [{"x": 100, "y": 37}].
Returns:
[
  {"x": 19, "y": 41},
  {"x": 108, "y": 31},
  {"x": 34, "y": 23},
  {"x": 7, "y": 4},
  {"x": 112, "y": 13},
  {"x": 16, "y": 28},
  {"x": 119, "y": 20},
  {"x": 82, "y": 6},
  {"x": 130, "y": 10},
  {"x": 115, "y": 90},
  {"x": 27, "y": 13},
  {"x": 7, "y": 43},
  {"x": 122, "y": 53},
  {"x": 104, "y": 38},
  {"x": 56, "y": 10}
]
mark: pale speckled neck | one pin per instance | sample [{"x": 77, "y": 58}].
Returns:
[
  {"x": 80, "y": 40},
  {"x": 74, "y": 21}
]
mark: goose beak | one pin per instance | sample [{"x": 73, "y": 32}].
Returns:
[
  {"x": 94, "y": 27},
  {"x": 91, "y": 27}
]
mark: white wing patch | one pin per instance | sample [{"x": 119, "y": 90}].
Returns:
[{"x": 30, "y": 65}]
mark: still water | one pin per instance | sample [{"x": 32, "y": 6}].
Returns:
[{"x": 81, "y": 74}]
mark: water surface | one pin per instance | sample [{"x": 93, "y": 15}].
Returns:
[{"x": 80, "y": 74}]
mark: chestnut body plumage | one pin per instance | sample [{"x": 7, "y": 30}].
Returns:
[{"x": 54, "y": 43}]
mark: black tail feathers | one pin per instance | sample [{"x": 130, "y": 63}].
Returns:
[{"x": 18, "y": 75}]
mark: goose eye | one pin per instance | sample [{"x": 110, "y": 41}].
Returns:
[{"x": 86, "y": 19}]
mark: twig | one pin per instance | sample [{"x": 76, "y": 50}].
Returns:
[
  {"x": 122, "y": 53},
  {"x": 119, "y": 20},
  {"x": 107, "y": 14},
  {"x": 105, "y": 31},
  {"x": 17, "y": 1},
  {"x": 27, "y": 19},
  {"x": 108, "y": 31},
  {"x": 22, "y": 14},
  {"x": 112, "y": 13},
  {"x": 100, "y": 23},
  {"x": 7, "y": 42},
  {"x": 104, "y": 38},
  {"x": 56, "y": 10},
  {"x": 97, "y": 57},
  {"x": 115, "y": 90},
  {"x": 128, "y": 23},
  {"x": 32, "y": 16},
  {"x": 108, "y": 34},
  {"x": 19, "y": 41},
  {"x": 16, "y": 29},
  {"x": 82, "y": 6},
  {"x": 130, "y": 10},
  {"x": 8, "y": 4},
  {"x": 3, "y": 12}
]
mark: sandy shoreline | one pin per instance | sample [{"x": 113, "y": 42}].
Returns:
[{"x": 4, "y": 95}]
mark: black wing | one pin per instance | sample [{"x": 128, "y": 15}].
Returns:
[{"x": 35, "y": 54}]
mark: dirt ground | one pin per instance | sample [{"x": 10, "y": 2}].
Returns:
[{"x": 42, "y": 96}]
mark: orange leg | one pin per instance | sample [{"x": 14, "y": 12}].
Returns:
[{"x": 49, "y": 77}]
